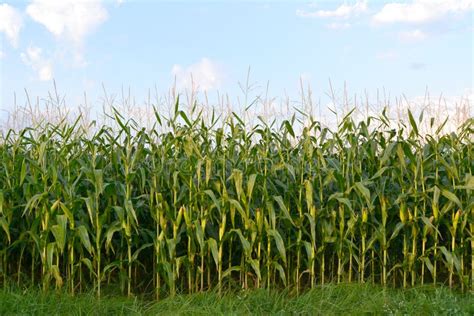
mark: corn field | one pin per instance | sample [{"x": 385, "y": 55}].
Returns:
[{"x": 216, "y": 204}]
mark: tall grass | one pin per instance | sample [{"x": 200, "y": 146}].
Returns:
[
  {"x": 217, "y": 203},
  {"x": 332, "y": 299}
]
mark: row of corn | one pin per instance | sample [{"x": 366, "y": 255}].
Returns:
[{"x": 216, "y": 204}]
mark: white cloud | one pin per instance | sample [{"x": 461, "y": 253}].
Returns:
[
  {"x": 421, "y": 11},
  {"x": 205, "y": 75},
  {"x": 69, "y": 19},
  {"x": 412, "y": 36},
  {"x": 43, "y": 67},
  {"x": 344, "y": 11},
  {"x": 10, "y": 23},
  {"x": 2, "y": 54}
]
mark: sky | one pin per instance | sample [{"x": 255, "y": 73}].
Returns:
[{"x": 404, "y": 47}]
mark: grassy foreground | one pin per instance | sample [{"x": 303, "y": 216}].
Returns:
[{"x": 328, "y": 300}]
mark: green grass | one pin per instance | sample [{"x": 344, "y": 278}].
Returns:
[{"x": 354, "y": 299}]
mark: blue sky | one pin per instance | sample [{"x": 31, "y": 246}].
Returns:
[{"x": 402, "y": 46}]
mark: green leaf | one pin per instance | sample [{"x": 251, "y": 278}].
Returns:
[
  {"x": 379, "y": 173},
  {"x": 59, "y": 231},
  {"x": 364, "y": 191},
  {"x": 111, "y": 267},
  {"x": 99, "y": 181},
  {"x": 312, "y": 225},
  {"x": 90, "y": 209},
  {"x": 238, "y": 178},
  {"x": 387, "y": 153},
  {"x": 289, "y": 128},
  {"x": 396, "y": 231},
  {"x": 49, "y": 254},
  {"x": 429, "y": 265},
  {"x": 230, "y": 270},
  {"x": 413, "y": 123},
  {"x": 57, "y": 275},
  {"x": 427, "y": 222},
  {"x": 451, "y": 258},
  {"x": 279, "y": 243},
  {"x": 84, "y": 237},
  {"x": 88, "y": 264},
  {"x": 338, "y": 197},
  {"x": 213, "y": 198},
  {"x": 283, "y": 208},
  {"x": 23, "y": 171},
  {"x": 452, "y": 197},
  {"x": 213, "y": 246},
  {"x": 6, "y": 229},
  {"x": 68, "y": 213},
  {"x": 281, "y": 272},
  {"x": 251, "y": 185},
  {"x": 256, "y": 267},
  {"x": 309, "y": 193},
  {"x": 34, "y": 201},
  {"x": 245, "y": 243},
  {"x": 137, "y": 252},
  {"x": 115, "y": 227},
  {"x": 199, "y": 234},
  {"x": 176, "y": 106},
  {"x": 185, "y": 118},
  {"x": 131, "y": 210},
  {"x": 309, "y": 250}
]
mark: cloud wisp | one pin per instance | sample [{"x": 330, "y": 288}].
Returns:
[
  {"x": 11, "y": 23},
  {"x": 68, "y": 19},
  {"x": 43, "y": 67},
  {"x": 421, "y": 11},
  {"x": 344, "y": 11},
  {"x": 414, "y": 12},
  {"x": 203, "y": 76},
  {"x": 340, "y": 16}
]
